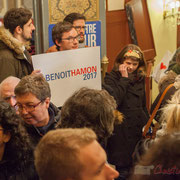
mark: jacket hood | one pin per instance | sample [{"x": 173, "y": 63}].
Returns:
[{"x": 7, "y": 38}]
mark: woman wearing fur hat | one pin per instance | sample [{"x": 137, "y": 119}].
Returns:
[
  {"x": 174, "y": 64},
  {"x": 126, "y": 82},
  {"x": 170, "y": 78}
]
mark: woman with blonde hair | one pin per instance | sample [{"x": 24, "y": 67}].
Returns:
[
  {"x": 171, "y": 114},
  {"x": 170, "y": 121}
]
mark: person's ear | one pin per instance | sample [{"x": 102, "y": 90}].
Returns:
[
  {"x": 6, "y": 137},
  {"x": 47, "y": 102},
  {"x": 58, "y": 43},
  {"x": 18, "y": 30}
]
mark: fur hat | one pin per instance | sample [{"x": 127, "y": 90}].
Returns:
[
  {"x": 178, "y": 59},
  {"x": 169, "y": 78}
]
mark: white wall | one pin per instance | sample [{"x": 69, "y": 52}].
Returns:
[{"x": 164, "y": 32}]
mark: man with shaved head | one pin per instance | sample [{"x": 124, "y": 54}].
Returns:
[{"x": 7, "y": 87}]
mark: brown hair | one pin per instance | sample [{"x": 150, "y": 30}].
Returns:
[
  {"x": 121, "y": 57},
  {"x": 92, "y": 109},
  {"x": 35, "y": 84},
  {"x": 163, "y": 155},
  {"x": 58, "y": 30},
  {"x": 16, "y": 17},
  {"x": 73, "y": 17}
]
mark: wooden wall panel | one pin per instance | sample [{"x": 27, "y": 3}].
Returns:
[
  {"x": 143, "y": 28},
  {"x": 178, "y": 36},
  {"x": 117, "y": 34}
]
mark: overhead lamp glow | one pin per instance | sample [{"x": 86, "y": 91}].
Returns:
[{"x": 171, "y": 8}]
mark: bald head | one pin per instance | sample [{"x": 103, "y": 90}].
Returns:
[{"x": 7, "y": 87}]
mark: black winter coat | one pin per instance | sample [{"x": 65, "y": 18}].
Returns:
[
  {"x": 10, "y": 170},
  {"x": 130, "y": 97}
]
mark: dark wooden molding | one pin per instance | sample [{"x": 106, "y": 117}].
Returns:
[
  {"x": 143, "y": 29},
  {"x": 178, "y": 36}
]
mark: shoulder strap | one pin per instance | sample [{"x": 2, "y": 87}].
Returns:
[{"x": 155, "y": 110}]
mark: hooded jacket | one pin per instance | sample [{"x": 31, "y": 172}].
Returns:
[{"x": 13, "y": 62}]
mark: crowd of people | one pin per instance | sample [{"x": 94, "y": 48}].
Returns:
[{"x": 96, "y": 134}]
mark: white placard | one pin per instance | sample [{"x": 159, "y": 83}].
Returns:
[
  {"x": 67, "y": 71},
  {"x": 115, "y": 5},
  {"x": 160, "y": 69}
]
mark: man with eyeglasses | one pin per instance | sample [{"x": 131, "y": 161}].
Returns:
[
  {"x": 78, "y": 22},
  {"x": 65, "y": 37},
  {"x": 7, "y": 87},
  {"x": 33, "y": 103}
]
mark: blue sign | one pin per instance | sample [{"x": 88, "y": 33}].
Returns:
[
  {"x": 51, "y": 43},
  {"x": 92, "y": 33}
]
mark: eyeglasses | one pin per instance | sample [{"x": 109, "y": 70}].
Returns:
[
  {"x": 71, "y": 39},
  {"x": 28, "y": 108},
  {"x": 79, "y": 27}
]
